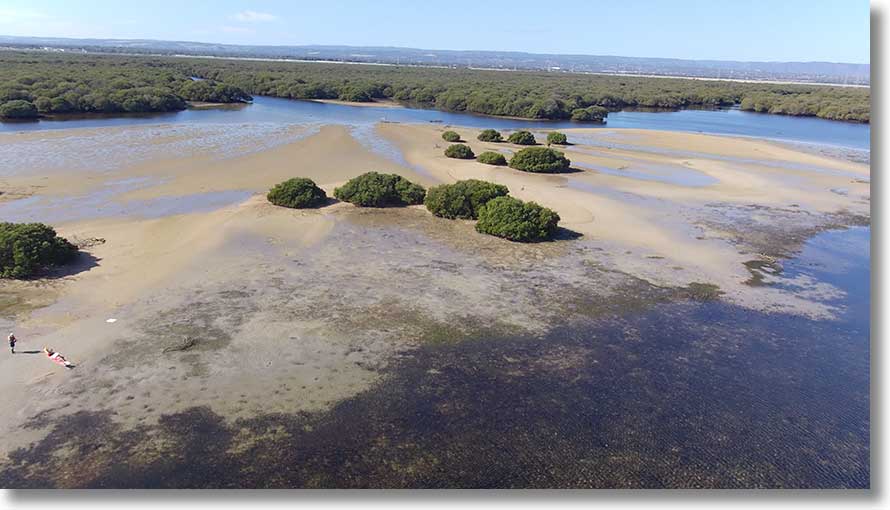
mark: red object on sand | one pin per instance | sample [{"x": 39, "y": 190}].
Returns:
[{"x": 58, "y": 359}]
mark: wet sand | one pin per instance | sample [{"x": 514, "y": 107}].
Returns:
[{"x": 241, "y": 310}]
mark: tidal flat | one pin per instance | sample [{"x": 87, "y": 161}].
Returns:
[{"x": 675, "y": 334}]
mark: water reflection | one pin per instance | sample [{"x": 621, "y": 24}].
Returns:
[{"x": 267, "y": 109}]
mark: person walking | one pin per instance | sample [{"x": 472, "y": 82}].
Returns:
[{"x": 12, "y": 340}]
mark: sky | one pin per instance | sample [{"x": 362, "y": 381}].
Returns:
[{"x": 777, "y": 30}]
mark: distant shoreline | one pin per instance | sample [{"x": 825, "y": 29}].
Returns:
[{"x": 74, "y": 50}]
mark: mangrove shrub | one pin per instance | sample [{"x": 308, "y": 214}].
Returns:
[
  {"x": 297, "y": 193},
  {"x": 27, "y": 248},
  {"x": 459, "y": 151},
  {"x": 492, "y": 158},
  {"x": 590, "y": 114},
  {"x": 556, "y": 138},
  {"x": 463, "y": 199},
  {"x": 374, "y": 189},
  {"x": 18, "y": 109},
  {"x": 490, "y": 135},
  {"x": 516, "y": 220},
  {"x": 522, "y": 138},
  {"x": 539, "y": 159},
  {"x": 450, "y": 136}
]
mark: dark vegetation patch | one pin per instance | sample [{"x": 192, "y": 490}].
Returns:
[
  {"x": 459, "y": 151},
  {"x": 374, "y": 189},
  {"x": 492, "y": 158},
  {"x": 297, "y": 193},
  {"x": 695, "y": 395},
  {"x": 462, "y": 199},
  {"x": 522, "y": 138},
  {"x": 760, "y": 268},
  {"x": 489, "y": 135},
  {"x": 451, "y": 136},
  {"x": 27, "y": 249},
  {"x": 701, "y": 291},
  {"x": 34, "y": 84},
  {"x": 540, "y": 160},
  {"x": 516, "y": 220},
  {"x": 555, "y": 138},
  {"x": 63, "y": 83}
]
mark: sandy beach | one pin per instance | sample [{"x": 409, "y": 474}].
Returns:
[{"x": 222, "y": 301}]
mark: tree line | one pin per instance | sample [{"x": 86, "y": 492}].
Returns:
[
  {"x": 65, "y": 83},
  {"x": 34, "y": 83}
]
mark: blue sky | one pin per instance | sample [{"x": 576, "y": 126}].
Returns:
[{"x": 832, "y": 30}]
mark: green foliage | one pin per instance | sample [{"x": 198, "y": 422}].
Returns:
[
  {"x": 492, "y": 158},
  {"x": 58, "y": 83},
  {"x": 540, "y": 160},
  {"x": 27, "y": 248},
  {"x": 297, "y": 193},
  {"x": 210, "y": 92},
  {"x": 18, "y": 109},
  {"x": 596, "y": 114},
  {"x": 374, "y": 189},
  {"x": 463, "y": 199},
  {"x": 489, "y": 135},
  {"x": 516, "y": 220},
  {"x": 522, "y": 138},
  {"x": 459, "y": 151},
  {"x": 450, "y": 136},
  {"x": 556, "y": 138},
  {"x": 819, "y": 103},
  {"x": 69, "y": 83}
]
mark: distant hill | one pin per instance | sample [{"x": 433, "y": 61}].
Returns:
[{"x": 802, "y": 72}]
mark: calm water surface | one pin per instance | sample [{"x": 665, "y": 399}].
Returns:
[{"x": 268, "y": 109}]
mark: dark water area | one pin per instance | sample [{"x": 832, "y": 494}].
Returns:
[
  {"x": 679, "y": 394},
  {"x": 268, "y": 109}
]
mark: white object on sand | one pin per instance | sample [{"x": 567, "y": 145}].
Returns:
[{"x": 110, "y": 320}]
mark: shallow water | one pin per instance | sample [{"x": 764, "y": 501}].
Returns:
[
  {"x": 650, "y": 172},
  {"x": 274, "y": 110},
  {"x": 681, "y": 393},
  {"x": 103, "y": 203}
]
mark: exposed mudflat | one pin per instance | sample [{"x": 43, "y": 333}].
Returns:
[{"x": 667, "y": 338}]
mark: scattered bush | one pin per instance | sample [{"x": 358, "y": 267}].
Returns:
[
  {"x": 459, "y": 151},
  {"x": 450, "y": 136},
  {"x": 492, "y": 158},
  {"x": 590, "y": 114},
  {"x": 26, "y": 248},
  {"x": 297, "y": 193},
  {"x": 463, "y": 199},
  {"x": 516, "y": 220},
  {"x": 490, "y": 135},
  {"x": 380, "y": 190},
  {"x": 539, "y": 159},
  {"x": 557, "y": 138},
  {"x": 522, "y": 138},
  {"x": 18, "y": 109}
]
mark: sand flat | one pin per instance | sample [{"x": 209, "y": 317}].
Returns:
[{"x": 297, "y": 310}]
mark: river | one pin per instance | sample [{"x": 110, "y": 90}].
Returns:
[{"x": 286, "y": 111}]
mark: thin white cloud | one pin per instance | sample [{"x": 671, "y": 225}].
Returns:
[{"x": 254, "y": 16}]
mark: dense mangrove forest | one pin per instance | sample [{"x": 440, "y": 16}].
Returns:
[{"x": 53, "y": 83}]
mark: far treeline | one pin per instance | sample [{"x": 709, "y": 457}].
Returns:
[
  {"x": 54, "y": 83},
  {"x": 61, "y": 83}
]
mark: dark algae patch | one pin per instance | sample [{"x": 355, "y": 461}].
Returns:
[
  {"x": 717, "y": 399},
  {"x": 684, "y": 391}
]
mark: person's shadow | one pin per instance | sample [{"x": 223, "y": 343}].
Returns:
[{"x": 29, "y": 352}]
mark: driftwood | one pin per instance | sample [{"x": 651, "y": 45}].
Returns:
[{"x": 186, "y": 344}]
